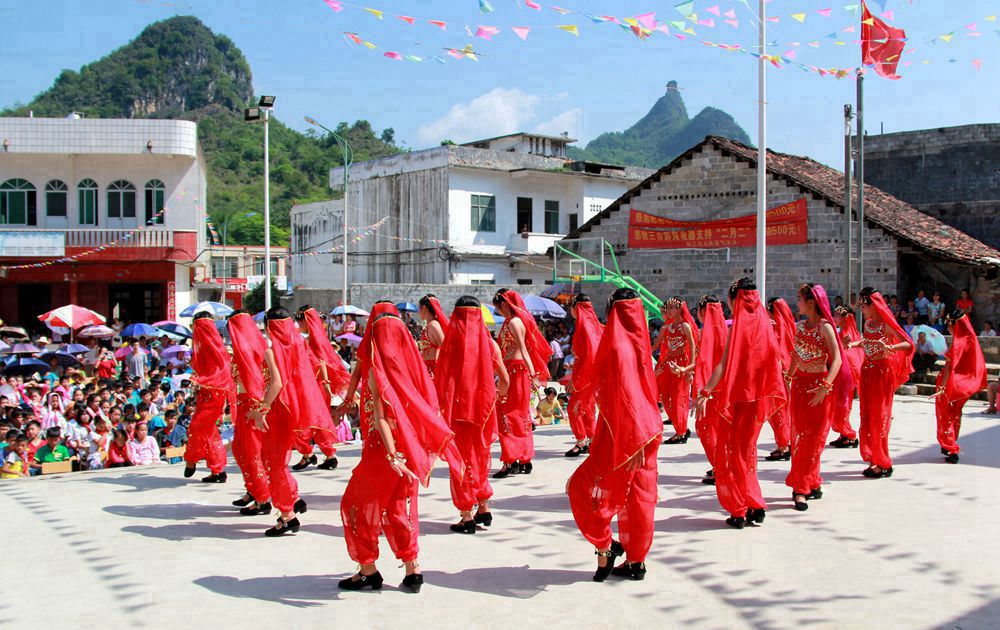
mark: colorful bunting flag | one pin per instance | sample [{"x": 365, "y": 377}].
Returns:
[
  {"x": 521, "y": 31},
  {"x": 569, "y": 28},
  {"x": 376, "y": 12},
  {"x": 334, "y": 4},
  {"x": 485, "y": 7},
  {"x": 799, "y": 17}
]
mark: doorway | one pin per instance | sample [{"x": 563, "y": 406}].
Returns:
[{"x": 137, "y": 302}]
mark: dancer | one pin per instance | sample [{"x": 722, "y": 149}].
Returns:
[
  {"x": 404, "y": 433},
  {"x": 888, "y": 364},
  {"x": 467, "y": 393},
  {"x": 435, "y": 329},
  {"x": 214, "y": 379},
  {"x": 525, "y": 355},
  {"x": 815, "y": 374},
  {"x": 249, "y": 349},
  {"x": 749, "y": 387},
  {"x": 619, "y": 476},
  {"x": 784, "y": 329},
  {"x": 582, "y": 408},
  {"x": 332, "y": 377},
  {"x": 675, "y": 370},
  {"x": 963, "y": 375},
  {"x": 853, "y": 358},
  {"x": 710, "y": 349}
]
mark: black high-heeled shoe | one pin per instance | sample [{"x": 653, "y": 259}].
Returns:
[
  {"x": 708, "y": 481},
  {"x": 756, "y": 515},
  {"x": 586, "y": 449},
  {"x": 816, "y": 494},
  {"x": 484, "y": 518},
  {"x": 189, "y": 471},
  {"x": 632, "y": 570},
  {"x": 678, "y": 439},
  {"x": 800, "y": 506},
  {"x": 283, "y": 527},
  {"x": 465, "y": 527},
  {"x": 576, "y": 451},
  {"x": 778, "y": 455},
  {"x": 373, "y": 581},
  {"x": 244, "y": 501},
  {"x": 300, "y": 507},
  {"x": 737, "y": 522},
  {"x": 329, "y": 464},
  {"x": 843, "y": 442},
  {"x": 413, "y": 582},
  {"x": 525, "y": 469},
  {"x": 305, "y": 463},
  {"x": 616, "y": 551},
  {"x": 221, "y": 477},
  {"x": 506, "y": 471},
  {"x": 256, "y": 509},
  {"x": 951, "y": 458}
]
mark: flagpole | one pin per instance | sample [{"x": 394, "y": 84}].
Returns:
[
  {"x": 761, "y": 262},
  {"x": 861, "y": 187}
]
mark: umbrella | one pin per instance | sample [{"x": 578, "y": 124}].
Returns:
[
  {"x": 139, "y": 330},
  {"x": 24, "y": 348},
  {"x": 74, "y": 348},
  {"x": 126, "y": 350},
  {"x": 490, "y": 315},
  {"x": 350, "y": 309},
  {"x": 259, "y": 317},
  {"x": 175, "y": 352},
  {"x": 4, "y": 347},
  {"x": 936, "y": 340},
  {"x": 72, "y": 317},
  {"x": 26, "y": 365},
  {"x": 65, "y": 359},
  {"x": 14, "y": 331},
  {"x": 407, "y": 306},
  {"x": 98, "y": 332},
  {"x": 217, "y": 309},
  {"x": 543, "y": 307},
  {"x": 173, "y": 329},
  {"x": 350, "y": 339}
]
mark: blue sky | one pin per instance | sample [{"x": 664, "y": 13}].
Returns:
[{"x": 603, "y": 80}]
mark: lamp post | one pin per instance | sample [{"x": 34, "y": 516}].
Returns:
[
  {"x": 252, "y": 114},
  {"x": 225, "y": 242},
  {"x": 348, "y": 156}
]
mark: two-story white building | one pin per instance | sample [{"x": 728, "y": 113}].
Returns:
[
  {"x": 481, "y": 213},
  {"x": 100, "y": 213}
]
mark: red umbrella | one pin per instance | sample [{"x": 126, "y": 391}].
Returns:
[{"x": 72, "y": 317}]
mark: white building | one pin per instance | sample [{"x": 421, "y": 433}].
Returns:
[
  {"x": 124, "y": 198},
  {"x": 482, "y": 213}
]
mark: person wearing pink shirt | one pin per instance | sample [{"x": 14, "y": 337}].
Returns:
[{"x": 143, "y": 449}]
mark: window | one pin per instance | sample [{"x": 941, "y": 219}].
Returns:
[
  {"x": 524, "y": 220},
  {"x": 551, "y": 217},
  {"x": 484, "y": 213},
  {"x": 154, "y": 202},
  {"x": 225, "y": 267},
  {"x": 482, "y": 281},
  {"x": 17, "y": 203},
  {"x": 258, "y": 266},
  {"x": 56, "y": 195},
  {"x": 87, "y": 198},
  {"x": 525, "y": 281},
  {"x": 121, "y": 200},
  {"x": 574, "y": 221}
]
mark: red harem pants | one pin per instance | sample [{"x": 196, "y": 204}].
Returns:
[
  {"x": 323, "y": 439},
  {"x": 675, "y": 396},
  {"x": 377, "y": 498},
  {"x": 842, "y": 417},
  {"x": 473, "y": 442},
  {"x": 949, "y": 422},
  {"x": 877, "y": 390},
  {"x": 708, "y": 427},
  {"x": 781, "y": 425},
  {"x": 583, "y": 414},
  {"x": 736, "y": 460},
  {"x": 246, "y": 452},
  {"x": 597, "y": 493},
  {"x": 810, "y": 428},
  {"x": 204, "y": 441},
  {"x": 517, "y": 442},
  {"x": 276, "y": 449}
]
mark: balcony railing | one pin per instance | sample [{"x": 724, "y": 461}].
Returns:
[
  {"x": 88, "y": 238},
  {"x": 532, "y": 242}
]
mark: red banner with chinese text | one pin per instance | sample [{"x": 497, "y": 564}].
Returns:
[
  {"x": 786, "y": 225},
  {"x": 794, "y": 211}
]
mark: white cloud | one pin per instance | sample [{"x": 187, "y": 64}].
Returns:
[{"x": 570, "y": 121}]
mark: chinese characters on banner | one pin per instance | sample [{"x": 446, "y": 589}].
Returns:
[
  {"x": 171, "y": 301},
  {"x": 786, "y": 225}
]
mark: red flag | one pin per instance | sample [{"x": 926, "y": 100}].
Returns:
[{"x": 881, "y": 44}]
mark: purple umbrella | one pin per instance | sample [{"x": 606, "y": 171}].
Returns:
[
  {"x": 25, "y": 348},
  {"x": 175, "y": 351},
  {"x": 351, "y": 339}
]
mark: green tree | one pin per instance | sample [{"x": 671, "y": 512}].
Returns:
[{"x": 253, "y": 300}]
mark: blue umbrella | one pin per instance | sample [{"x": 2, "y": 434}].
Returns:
[
  {"x": 259, "y": 317},
  {"x": 4, "y": 347},
  {"x": 74, "y": 348},
  {"x": 139, "y": 330},
  {"x": 215, "y": 308},
  {"x": 543, "y": 307},
  {"x": 350, "y": 309},
  {"x": 65, "y": 359},
  {"x": 174, "y": 330},
  {"x": 407, "y": 306},
  {"x": 26, "y": 365},
  {"x": 934, "y": 338}
]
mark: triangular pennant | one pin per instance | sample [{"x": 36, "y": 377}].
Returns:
[
  {"x": 709, "y": 22},
  {"x": 946, "y": 37},
  {"x": 532, "y": 5},
  {"x": 413, "y": 58},
  {"x": 485, "y": 7},
  {"x": 685, "y": 8},
  {"x": 406, "y": 19},
  {"x": 647, "y": 20},
  {"x": 521, "y": 31},
  {"x": 569, "y": 28},
  {"x": 377, "y": 13},
  {"x": 714, "y": 10},
  {"x": 824, "y": 12},
  {"x": 731, "y": 14},
  {"x": 889, "y": 16},
  {"x": 774, "y": 19},
  {"x": 334, "y": 4},
  {"x": 562, "y": 11},
  {"x": 442, "y": 25},
  {"x": 799, "y": 17},
  {"x": 852, "y": 8},
  {"x": 733, "y": 23},
  {"x": 393, "y": 55},
  {"x": 977, "y": 64}
]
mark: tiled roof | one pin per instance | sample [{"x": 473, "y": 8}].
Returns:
[{"x": 881, "y": 209}]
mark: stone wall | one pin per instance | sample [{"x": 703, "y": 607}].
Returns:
[{"x": 364, "y": 295}]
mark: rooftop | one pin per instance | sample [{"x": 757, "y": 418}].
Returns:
[
  {"x": 526, "y": 134},
  {"x": 128, "y": 136}
]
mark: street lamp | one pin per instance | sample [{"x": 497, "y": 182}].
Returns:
[
  {"x": 348, "y": 155},
  {"x": 252, "y": 114},
  {"x": 225, "y": 240}
]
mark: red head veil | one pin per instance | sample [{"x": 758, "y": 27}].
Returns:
[
  {"x": 408, "y": 396},
  {"x": 626, "y": 391},
  {"x": 321, "y": 349},
  {"x": 902, "y": 362},
  {"x": 249, "y": 347},
  {"x": 464, "y": 380},
  {"x": 380, "y": 308},
  {"x": 439, "y": 314},
  {"x": 843, "y": 385},
  {"x": 210, "y": 360},
  {"x": 713, "y": 344},
  {"x": 686, "y": 316},
  {"x": 855, "y": 356},
  {"x": 300, "y": 392},
  {"x": 784, "y": 328},
  {"x": 586, "y": 339},
  {"x": 538, "y": 348},
  {"x": 753, "y": 366},
  {"x": 968, "y": 367}
]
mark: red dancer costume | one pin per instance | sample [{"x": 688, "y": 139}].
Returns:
[
  {"x": 213, "y": 374},
  {"x": 816, "y": 373},
  {"x": 678, "y": 349},
  {"x": 582, "y": 406},
  {"x": 619, "y": 476},
  {"x": 854, "y": 356},
  {"x": 712, "y": 345},
  {"x": 249, "y": 348},
  {"x": 404, "y": 433},
  {"x": 517, "y": 443},
  {"x": 750, "y": 390},
  {"x": 429, "y": 349},
  {"x": 887, "y": 365},
  {"x": 784, "y": 330},
  {"x": 963, "y": 375},
  {"x": 466, "y": 390}
]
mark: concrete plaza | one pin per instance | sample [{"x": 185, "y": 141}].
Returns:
[{"x": 130, "y": 548}]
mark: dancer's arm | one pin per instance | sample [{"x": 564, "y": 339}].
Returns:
[{"x": 396, "y": 459}]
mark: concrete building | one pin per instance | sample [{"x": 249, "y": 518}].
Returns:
[
  {"x": 240, "y": 268},
  {"x": 453, "y": 215},
  {"x": 123, "y": 200},
  {"x": 952, "y": 174},
  {"x": 716, "y": 179}
]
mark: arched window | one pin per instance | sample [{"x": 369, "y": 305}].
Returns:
[
  {"x": 87, "y": 199},
  {"x": 121, "y": 200},
  {"x": 17, "y": 203},
  {"x": 56, "y": 198},
  {"x": 155, "y": 195}
]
